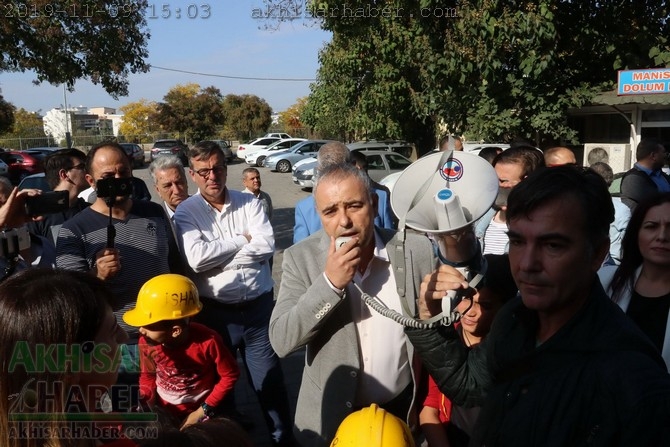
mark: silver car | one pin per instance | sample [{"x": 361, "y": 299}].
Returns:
[{"x": 282, "y": 162}]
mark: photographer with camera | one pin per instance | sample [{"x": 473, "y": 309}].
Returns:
[
  {"x": 121, "y": 241},
  {"x": 64, "y": 170}
]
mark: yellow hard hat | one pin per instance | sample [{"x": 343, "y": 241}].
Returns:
[
  {"x": 372, "y": 427},
  {"x": 164, "y": 297}
]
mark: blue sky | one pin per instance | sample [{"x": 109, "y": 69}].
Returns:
[{"x": 230, "y": 42}]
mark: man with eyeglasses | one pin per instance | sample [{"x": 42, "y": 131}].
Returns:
[
  {"x": 64, "y": 170},
  {"x": 227, "y": 240}
]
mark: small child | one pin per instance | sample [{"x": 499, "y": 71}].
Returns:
[
  {"x": 184, "y": 366},
  {"x": 444, "y": 424}
]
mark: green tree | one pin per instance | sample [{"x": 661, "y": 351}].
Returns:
[
  {"x": 189, "y": 110},
  {"x": 247, "y": 115},
  {"x": 26, "y": 125},
  {"x": 100, "y": 40},
  {"x": 488, "y": 68},
  {"x": 6, "y": 115},
  {"x": 138, "y": 118}
]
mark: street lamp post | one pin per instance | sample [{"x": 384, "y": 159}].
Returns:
[{"x": 68, "y": 137}]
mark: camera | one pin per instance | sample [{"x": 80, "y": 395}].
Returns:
[
  {"x": 47, "y": 203},
  {"x": 114, "y": 187}
]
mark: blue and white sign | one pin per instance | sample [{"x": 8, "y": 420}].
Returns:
[{"x": 648, "y": 81}]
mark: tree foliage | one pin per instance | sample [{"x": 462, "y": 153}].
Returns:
[
  {"x": 491, "y": 69},
  {"x": 100, "y": 40},
  {"x": 26, "y": 125},
  {"x": 138, "y": 118},
  {"x": 195, "y": 112},
  {"x": 6, "y": 115},
  {"x": 246, "y": 115},
  {"x": 291, "y": 119}
]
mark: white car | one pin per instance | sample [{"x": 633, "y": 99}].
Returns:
[
  {"x": 257, "y": 158},
  {"x": 303, "y": 172},
  {"x": 254, "y": 146},
  {"x": 283, "y": 136}
]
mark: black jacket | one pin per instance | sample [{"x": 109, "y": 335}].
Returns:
[
  {"x": 598, "y": 381},
  {"x": 636, "y": 185}
]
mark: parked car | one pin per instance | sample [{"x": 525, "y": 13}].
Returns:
[
  {"x": 382, "y": 163},
  {"x": 4, "y": 169},
  {"x": 170, "y": 147},
  {"x": 42, "y": 152},
  {"x": 35, "y": 181},
  {"x": 283, "y": 136},
  {"x": 282, "y": 162},
  {"x": 253, "y": 146},
  {"x": 257, "y": 158},
  {"x": 227, "y": 149},
  {"x": 303, "y": 172},
  {"x": 402, "y": 147},
  {"x": 20, "y": 165},
  {"x": 135, "y": 154}
]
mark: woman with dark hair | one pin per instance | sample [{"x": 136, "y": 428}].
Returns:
[
  {"x": 59, "y": 345},
  {"x": 640, "y": 285}
]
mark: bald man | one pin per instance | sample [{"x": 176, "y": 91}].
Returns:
[{"x": 558, "y": 156}]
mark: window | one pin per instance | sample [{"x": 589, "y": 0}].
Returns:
[
  {"x": 375, "y": 162},
  {"x": 397, "y": 162}
]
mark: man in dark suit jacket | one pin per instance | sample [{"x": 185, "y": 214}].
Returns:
[{"x": 645, "y": 177}]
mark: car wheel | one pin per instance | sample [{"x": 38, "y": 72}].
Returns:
[
  {"x": 260, "y": 160},
  {"x": 284, "y": 166}
]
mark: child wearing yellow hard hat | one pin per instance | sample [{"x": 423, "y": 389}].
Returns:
[{"x": 184, "y": 366}]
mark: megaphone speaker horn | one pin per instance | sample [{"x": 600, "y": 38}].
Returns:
[{"x": 455, "y": 192}]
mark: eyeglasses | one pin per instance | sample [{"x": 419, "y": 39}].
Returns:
[
  {"x": 205, "y": 173},
  {"x": 80, "y": 166}
]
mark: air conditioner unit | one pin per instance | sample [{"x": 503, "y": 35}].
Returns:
[{"x": 618, "y": 156}]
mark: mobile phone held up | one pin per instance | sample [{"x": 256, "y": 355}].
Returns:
[
  {"x": 47, "y": 203},
  {"x": 114, "y": 187}
]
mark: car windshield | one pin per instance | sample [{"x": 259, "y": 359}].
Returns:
[{"x": 166, "y": 144}]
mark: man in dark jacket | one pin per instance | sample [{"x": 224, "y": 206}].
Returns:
[
  {"x": 645, "y": 178},
  {"x": 562, "y": 366}
]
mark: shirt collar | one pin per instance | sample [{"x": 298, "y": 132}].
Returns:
[
  {"x": 647, "y": 170},
  {"x": 380, "y": 248}
]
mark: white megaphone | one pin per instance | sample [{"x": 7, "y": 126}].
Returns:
[{"x": 442, "y": 195}]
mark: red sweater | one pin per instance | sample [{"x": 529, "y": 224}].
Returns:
[{"x": 183, "y": 377}]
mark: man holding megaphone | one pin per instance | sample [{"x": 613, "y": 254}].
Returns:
[
  {"x": 562, "y": 364},
  {"x": 355, "y": 356}
]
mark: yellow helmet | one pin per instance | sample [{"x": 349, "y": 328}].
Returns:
[
  {"x": 372, "y": 427},
  {"x": 164, "y": 297}
]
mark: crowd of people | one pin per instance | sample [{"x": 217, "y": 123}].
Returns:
[{"x": 129, "y": 308}]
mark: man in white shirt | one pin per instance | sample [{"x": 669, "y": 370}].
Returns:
[
  {"x": 251, "y": 179},
  {"x": 355, "y": 356},
  {"x": 227, "y": 240}
]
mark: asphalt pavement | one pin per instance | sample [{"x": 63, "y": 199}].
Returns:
[{"x": 285, "y": 194}]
